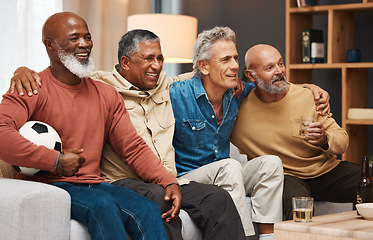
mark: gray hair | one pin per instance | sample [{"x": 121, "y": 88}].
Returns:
[
  {"x": 269, "y": 87},
  {"x": 202, "y": 46},
  {"x": 129, "y": 43}
]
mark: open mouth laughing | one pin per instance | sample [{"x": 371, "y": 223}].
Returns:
[
  {"x": 278, "y": 78},
  {"x": 82, "y": 55},
  {"x": 232, "y": 76}
]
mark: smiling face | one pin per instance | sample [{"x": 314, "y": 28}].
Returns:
[
  {"x": 68, "y": 42},
  {"x": 221, "y": 71},
  {"x": 142, "y": 69},
  {"x": 267, "y": 69},
  {"x": 75, "y": 39}
]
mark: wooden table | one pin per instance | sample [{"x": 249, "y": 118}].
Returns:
[{"x": 338, "y": 226}]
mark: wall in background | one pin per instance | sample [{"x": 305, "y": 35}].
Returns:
[
  {"x": 264, "y": 22},
  {"x": 253, "y": 21},
  {"x": 21, "y": 24}
]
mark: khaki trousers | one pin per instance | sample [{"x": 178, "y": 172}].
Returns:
[{"x": 260, "y": 178}]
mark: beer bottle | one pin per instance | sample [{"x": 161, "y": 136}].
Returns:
[
  {"x": 364, "y": 186},
  {"x": 371, "y": 169}
]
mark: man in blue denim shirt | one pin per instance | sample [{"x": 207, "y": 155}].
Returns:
[
  {"x": 200, "y": 139},
  {"x": 205, "y": 110}
]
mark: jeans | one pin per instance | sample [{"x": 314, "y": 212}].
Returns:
[{"x": 111, "y": 212}]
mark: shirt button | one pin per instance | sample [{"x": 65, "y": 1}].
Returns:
[
  {"x": 213, "y": 116},
  {"x": 216, "y": 150},
  {"x": 193, "y": 128}
]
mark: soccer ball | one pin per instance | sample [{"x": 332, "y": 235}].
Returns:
[{"x": 39, "y": 133}]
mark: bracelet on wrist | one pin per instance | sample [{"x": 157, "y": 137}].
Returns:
[{"x": 62, "y": 167}]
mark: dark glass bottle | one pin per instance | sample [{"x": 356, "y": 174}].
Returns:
[
  {"x": 371, "y": 168},
  {"x": 364, "y": 186}
]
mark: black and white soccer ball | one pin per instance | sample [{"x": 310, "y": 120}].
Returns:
[{"x": 39, "y": 133}]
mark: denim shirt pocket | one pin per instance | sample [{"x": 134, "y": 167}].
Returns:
[{"x": 193, "y": 133}]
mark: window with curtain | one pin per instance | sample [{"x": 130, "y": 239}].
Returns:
[{"x": 21, "y": 24}]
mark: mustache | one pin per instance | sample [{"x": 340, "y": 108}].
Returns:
[
  {"x": 278, "y": 77},
  {"x": 84, "y": 50}
]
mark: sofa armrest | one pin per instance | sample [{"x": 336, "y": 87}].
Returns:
[
  {"x": 32, "y": 210},
  {"x": 322, "y": 207}
]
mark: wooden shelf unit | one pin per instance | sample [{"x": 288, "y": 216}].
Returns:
[{"x": 354, "y": 76}]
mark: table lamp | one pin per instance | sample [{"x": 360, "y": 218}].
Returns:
[{"x": 177, "y": 33}]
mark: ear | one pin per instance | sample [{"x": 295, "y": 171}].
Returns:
[
  {"x": 124, "y": 63},
  {"x": 48, "y": 44},
  {"x": 249, "y": 75},
  {"x": 204, "y": 67}
]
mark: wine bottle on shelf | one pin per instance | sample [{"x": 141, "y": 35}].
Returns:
[{"x": 364, "y": 186}]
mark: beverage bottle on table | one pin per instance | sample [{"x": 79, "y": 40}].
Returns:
[{"x": 364, "y": 186}]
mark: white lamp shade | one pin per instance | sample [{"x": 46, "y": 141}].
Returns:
[{"x": 177, "y": 33}]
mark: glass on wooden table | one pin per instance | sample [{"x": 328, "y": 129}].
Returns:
[{"x": 302, "y": 209}]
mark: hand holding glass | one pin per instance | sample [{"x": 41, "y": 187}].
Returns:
[{"x": 304, "y": 125}]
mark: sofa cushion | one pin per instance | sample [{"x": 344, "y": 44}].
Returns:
[
  {"x": 32, "y": 210},
  {"x": 78, "y": 231},
  {"x": 189, "y": 229}
]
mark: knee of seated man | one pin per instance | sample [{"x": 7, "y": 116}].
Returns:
[
  {"x": 214, "y": 191},
  {"x": 231, "y": 164},
  {"x": 273, "y": 164},
  {"x": 103, "y": 203},
  {"x": 220, "y": 195},
  {"x": 215, "y": 197}
]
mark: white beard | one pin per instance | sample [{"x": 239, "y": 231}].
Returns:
[
  {"x": 269, "y": 87},
  {"x": 82, "y": 70}
]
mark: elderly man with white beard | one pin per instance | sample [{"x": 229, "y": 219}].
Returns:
[
  {"x": 72, "y": 63},
  {"x": 269, "y": 122},
  {"x": 86, "y": 114}
]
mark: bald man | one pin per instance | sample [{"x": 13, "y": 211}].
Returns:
[
  {"x": 310, "y": 161},
  {"x": 86, "y": 114}
]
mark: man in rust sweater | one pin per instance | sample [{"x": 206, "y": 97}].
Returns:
[{"x": 86, "y": 114}]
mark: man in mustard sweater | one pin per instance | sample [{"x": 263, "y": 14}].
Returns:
[{"x": 269, "y": 122}]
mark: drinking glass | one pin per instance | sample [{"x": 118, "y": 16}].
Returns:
[
  {"x": 302, "y": 209},
  {"x": 304, "y": 125}
]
